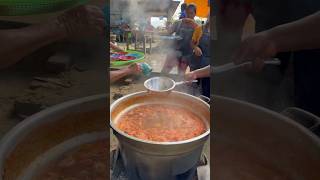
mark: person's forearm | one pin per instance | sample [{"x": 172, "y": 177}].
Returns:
[
  {"x": 171, "y": 28},
  {"x": 230, "y": 25},
  {"x": 17, "y": 43},
  {"x": 298, "y": 35},
  {"x": 118, "y": 74},
  {"x": 203, "y": 72}
]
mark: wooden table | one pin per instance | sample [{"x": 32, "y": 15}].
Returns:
[{"x": 146, "y": 36}]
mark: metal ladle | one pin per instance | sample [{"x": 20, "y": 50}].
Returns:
[{"x": 163, "y": 84}]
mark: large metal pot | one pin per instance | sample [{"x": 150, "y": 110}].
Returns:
[
  {"x": 253, "y": 143},
  {"x": 147, "y": 160},
  {"x": 38, "y": 141}
]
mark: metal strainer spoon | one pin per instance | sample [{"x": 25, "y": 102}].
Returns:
[{"x": 163, "y": 84}]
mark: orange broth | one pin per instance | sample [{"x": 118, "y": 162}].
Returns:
[{"x": 161, "y": 123}]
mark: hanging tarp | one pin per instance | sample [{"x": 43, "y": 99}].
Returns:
[{"x": 203, "y": 7}]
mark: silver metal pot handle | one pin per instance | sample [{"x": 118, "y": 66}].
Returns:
[
  {"x": 205, "y": 99},
  {"x": 304, "y": 118}
]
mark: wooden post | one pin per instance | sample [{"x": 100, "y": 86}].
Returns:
[
  {"x": 144, "y": 43},
  {"x": 135, "y": 40},
  {"x": 150, "y": 39},
  {"x": 127, "y": 39}
]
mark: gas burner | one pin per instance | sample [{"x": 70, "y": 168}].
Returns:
[{"x": 117, "y": 169}]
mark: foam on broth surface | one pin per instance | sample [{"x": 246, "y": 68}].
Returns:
[{"x": 160, "y": 123}]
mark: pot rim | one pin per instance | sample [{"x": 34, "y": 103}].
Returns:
[
  {"x": 282, "y": 117},
  {"x": 115, "y": 103}
]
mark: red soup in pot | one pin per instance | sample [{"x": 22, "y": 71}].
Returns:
[{"x": 161, "y": 123}]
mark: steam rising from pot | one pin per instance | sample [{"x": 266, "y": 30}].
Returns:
[{"x": 137, "y": 12}]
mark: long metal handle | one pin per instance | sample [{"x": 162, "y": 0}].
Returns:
[
  {"x": 205, "y": 99},
  {"x": 273, "y": 61},
  {"x": 230, "y": 66},
  {"x": 185, "y": 82}
]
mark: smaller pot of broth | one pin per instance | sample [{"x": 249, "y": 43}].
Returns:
[{"x": 161, "y": 136}]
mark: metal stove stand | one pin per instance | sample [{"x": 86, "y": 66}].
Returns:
[{"x": 117, "y": 169}]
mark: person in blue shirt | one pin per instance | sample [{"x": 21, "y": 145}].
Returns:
[{"x": 183, "y": 11}]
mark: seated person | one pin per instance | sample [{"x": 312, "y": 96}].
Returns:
[
  {"x": 115, "y": 47},
  {"x": 149, "y": 27},
  {"x": 119, "y": 74}
]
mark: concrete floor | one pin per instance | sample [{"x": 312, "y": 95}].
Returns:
[{"x": 15, "y": 84}]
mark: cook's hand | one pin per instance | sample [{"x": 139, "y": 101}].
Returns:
[
  {"x": 197, "y": 51},
  {"x": 190, "y": 76},
  {"x": 134, "y": 69},
  {"x": 256, "y": 48},
  {"x": 83, "y": 21}
]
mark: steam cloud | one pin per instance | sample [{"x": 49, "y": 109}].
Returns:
[{"x": 138, "y": 10}]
